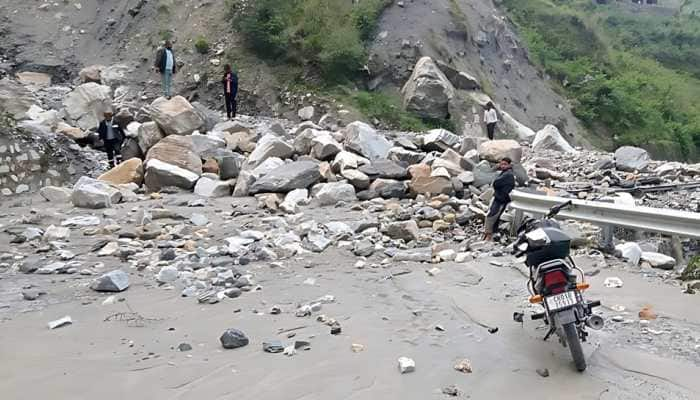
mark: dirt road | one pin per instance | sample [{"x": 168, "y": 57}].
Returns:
[{"x": 392, "y": 310}]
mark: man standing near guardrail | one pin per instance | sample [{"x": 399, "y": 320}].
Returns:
[{"x": 502, "y": 186}]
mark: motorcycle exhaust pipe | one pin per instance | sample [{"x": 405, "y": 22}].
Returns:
[{"x": 595, "y": 322}]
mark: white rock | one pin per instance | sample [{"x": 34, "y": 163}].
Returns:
[
  {"x": 60, "y": 322},
  {"x": 658, "y": 260},
  {"x": 549, "y": 138},
  {"x": 168, "y": 274},
  {"x": 54, "y": 233},
  {"x": 208, "y": 187},
  {"x": 629, "y": 251},
  {"x": 331, "y": 193},
  {"x": 306, "y": 113},
  {"x": 406, "y": 365}
]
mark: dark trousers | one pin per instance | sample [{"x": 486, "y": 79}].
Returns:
[
  {"x": 490, "y": 130},
  {"x": 113, "y": 148},
  {"x": 231, "y": 105},
  {"x": 495, "y": 211}
]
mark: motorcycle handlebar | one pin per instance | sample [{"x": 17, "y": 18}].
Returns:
[{"x": 555, "y": 210}]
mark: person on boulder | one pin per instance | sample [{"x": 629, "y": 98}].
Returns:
[
  {"x": 230, "y": 82},
  {"x": 491, "y": 119},
  {"x": 112, "y": 135},
  {"x": 502, "y": 186},
  {"x": 167, "y": 67}
]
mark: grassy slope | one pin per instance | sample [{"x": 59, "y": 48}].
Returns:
[{"x": 634, "y": 77}]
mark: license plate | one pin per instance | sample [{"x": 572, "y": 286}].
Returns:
[{"x": 559, "y": 301}]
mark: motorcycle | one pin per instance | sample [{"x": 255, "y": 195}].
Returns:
[{"x": 554, "y": 283}]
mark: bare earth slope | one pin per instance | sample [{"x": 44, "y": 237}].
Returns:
[{"x": 473, "y": 36}]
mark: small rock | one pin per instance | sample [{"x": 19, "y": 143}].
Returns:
[
  {"x": 406, "y": 365},
  {"x": 114, "y": 281},
  {"x": 451, "y": 390},
  {"x": 543, "y": 372},
  {"x": 613, "y": 282},
  {"x": 233, "y": 339},
  {"x": 184, "y": 347},
  {"x": 464, "y": 366},
  {"x": 274, "y": 346},
  {"x": 60, "y": 322},
  {"x": 357, "y": 348},
  {"x": 647, "y": 314}
]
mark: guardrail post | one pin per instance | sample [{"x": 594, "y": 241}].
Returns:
[
  {"x": 677, "y": 249},
  {"x": 518, "y": 217},
  {"x": 607, "y": 233}
]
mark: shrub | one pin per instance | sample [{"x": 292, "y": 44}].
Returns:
[
  {"x": 201, "y": 45},
  {"x": 329, "y": 35}
]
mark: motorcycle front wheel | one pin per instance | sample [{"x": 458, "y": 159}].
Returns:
[{"x": 572, "y": 340}]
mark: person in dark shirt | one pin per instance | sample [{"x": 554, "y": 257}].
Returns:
[
  {"x": 502, "y": 186},
  {"x": 112, "y": 135},
  {"x": 230, "y": 82}
]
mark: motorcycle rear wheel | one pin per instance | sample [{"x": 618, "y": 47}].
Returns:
[{"x": 574, "y": 344}]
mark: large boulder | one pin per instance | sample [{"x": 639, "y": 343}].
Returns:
[
  {"x": 207, "y": 187},
  {"x": 229, "y": 162},
  {"x": 160, "y": 174},
  {"x": 630, "y": 159},
  {"x": 92, "y": 73},
  {"x": 270, "y": 146},
  {"x": 404, "y": 155},
  {"x": 459, "y": 79},
  {"x": 658, "y": 260},
  {"x": 178, "y": 151},
  {"x": 328, "y": 194},
  {"x": 346, "y": 160},
  {"x": 206, "y": 144},
  {"x": 440, "y": 140},
  {"x": 388, "y": 188},
  {"x": 629, "y": 251},
  {"x": 495, "y": 150},
  {"x": 294, "y": 175},
  {"x": 210, "y": 117},
  {"x": 302, "y": 141},
  {"x": 15, "y": 99},
  {"x": 385, "y": 169},
  {"x": 356, "y": 178},
  {"x": 324, "y": 147},
  {"x": 115, "y": 75},
  {"x": 175, "y": 116},
  {"x": 430, "y": 184},
  {"x": 428, "y": 91},
  {"x": 148, "y": 135},
  {"x": 365, "y": 141},
  {"x": 86, "y": 104},
  {"x": 56, "y": 194},
  {"x": 130, "y": 171},
  {"x": 549, "y": 138},
  {"x": 92, "y": 193}
]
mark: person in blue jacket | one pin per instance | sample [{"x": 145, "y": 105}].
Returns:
[{"x": 230, "y": 82}]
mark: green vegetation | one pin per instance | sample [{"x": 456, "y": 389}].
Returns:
[
  {"x": 692, "y": 271},
  {"x": 328, "y": 35},
  {"x": 388, "y": 109},
  {"x": 634, "y": 77},
  {"x": 201, "y": 45}
]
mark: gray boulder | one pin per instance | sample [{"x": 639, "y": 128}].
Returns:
[
  {"x": 386, "y": 169},
  {"x": 294, "y": 175},
  {"x": 160, "y": 174},
  {"x": 114, "y": 281},
  {"x": 403, "y": 155},
  {"x": 495, "y": 150},
  {"x": 549, "y": 138},
  {"x": 406, "y": 230},
  {"x": 388, "y": 188},
  {"x": 630, "y": 159},
  {"x": 658, "y": 260},
  {"x": 148, "y": 135},
  {"x": 328, "y": 194},
  {"x": 92, "y": 193},
  {"x": 270, "y": 146},
  {"x": 56, "y": 194},
  {"x": 356, "y": 178},
  {"x": 206, "y": 144},
  {"x": 428, "y": 91},
  {"x": 365, "y": 141},
  {"x": 175, "y": 116},
  {"x": 324, "y": 147},
  {"x": 440, "y": 140},
  {"x": 86, "y": 104},
  {"x": 207, "y": 187}
]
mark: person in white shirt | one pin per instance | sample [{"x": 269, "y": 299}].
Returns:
[
  {"x": 491, "y": 119},
  {"x": 167, "y": 66}
]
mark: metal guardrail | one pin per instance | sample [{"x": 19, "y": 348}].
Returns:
[{"x": 659, "y": 220}]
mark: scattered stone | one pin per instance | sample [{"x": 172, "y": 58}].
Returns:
[
  {"x": 331, "y": 193},
  {"x": 629, "y": 251},
  {"x": 114, "y": 281},
  {"x": 61, "y": 322},
  {"x": 184, "y": 347},
  {"x": 613, "y": 282},
  {"x": 207, "y": 187},
  {"x": 294, "y": 175},
  {"x": 452, "y": 391},
  {"x": 406, "y": 230},
  {"x": 464, "y": 366},
  {"x": 274, "y": 346},
  {"x": 543, "y": 372},
  {"x": 658, "y": 260},
  {"x": 130, "y": 171},
  {"x": 647, "y": 314},
  {"x": 495, "y": 150},
  {"x": 233, "y": 339},
  {"x": 357, "y": 348},
  {"x": 92, "y": 193},
  {"x": 306, "y": 113},
  {"x": 406, "y": 365},
  {"x": 160, "y": 175},
  {"x": 55, "y": 194}
]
